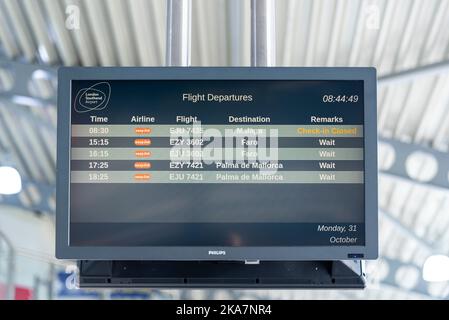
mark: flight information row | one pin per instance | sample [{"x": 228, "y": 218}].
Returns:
[
  {"x": 167, "y": 165},
  {"x": 353, "y": 177},
  {"x": 214, "y": 154},
  {"x": 87, "y": 130},
  {"x": 161, "y": 142}
]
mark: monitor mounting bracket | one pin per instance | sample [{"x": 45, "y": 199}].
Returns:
[{"x": 222, "y": 274}]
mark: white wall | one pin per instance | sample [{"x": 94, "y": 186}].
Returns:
[{"x": 33, "y": 239}]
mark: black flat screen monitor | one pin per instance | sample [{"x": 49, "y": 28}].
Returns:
[{"x": 217, "y": 163}]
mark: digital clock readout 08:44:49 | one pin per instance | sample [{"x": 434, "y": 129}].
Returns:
[{"x": 330, "y": 98}]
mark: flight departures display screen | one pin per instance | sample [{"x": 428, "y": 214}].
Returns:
[{"x": 217, "y": 163}]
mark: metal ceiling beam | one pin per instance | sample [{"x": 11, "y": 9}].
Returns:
[
  {"x": 406, "y": 231},
  {"x": 411, "y": 74},
  {"x": 393, "y": 277},
  {"x": 263, "y": 36},
  {"x": 179, "y": 22},
  {"x": 402, "y": 152},
  {"x": 21, "y": 75},
  {"x": 45, "y": 197}
]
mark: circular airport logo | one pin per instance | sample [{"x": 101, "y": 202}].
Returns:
[{"x": 93, "y": 98}]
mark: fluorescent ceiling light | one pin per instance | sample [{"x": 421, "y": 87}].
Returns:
[
  {"x": 10, "y": 180},
  {"x": 436, "y": 268}
]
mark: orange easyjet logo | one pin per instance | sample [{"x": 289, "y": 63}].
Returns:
[
  {"x": 142, "y": 130},
  {"x": 142, "y": 176},
  {"x": 142, "y": 154},
  {"x": 142, "y": 165},
  {"x": 142, "y": 142}
]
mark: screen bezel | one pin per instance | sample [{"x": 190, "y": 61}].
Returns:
[{"x": 67, "y": 74}]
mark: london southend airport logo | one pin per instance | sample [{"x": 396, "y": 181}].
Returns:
[{"x": 93, "y": 98}]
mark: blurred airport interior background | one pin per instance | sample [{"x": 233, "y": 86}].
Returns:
[{"x": 406, "y": 40}]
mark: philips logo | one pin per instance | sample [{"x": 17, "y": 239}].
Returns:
[{"x": 216, "y": 252}]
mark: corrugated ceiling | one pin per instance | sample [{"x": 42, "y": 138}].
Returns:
[{"x": 393, "y": 36}]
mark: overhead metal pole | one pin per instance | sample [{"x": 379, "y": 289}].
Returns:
[
  {"x": 237, "y": 30},
  {"x": 263, "y": 37},
  {"x": 179, "y": 22}
]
